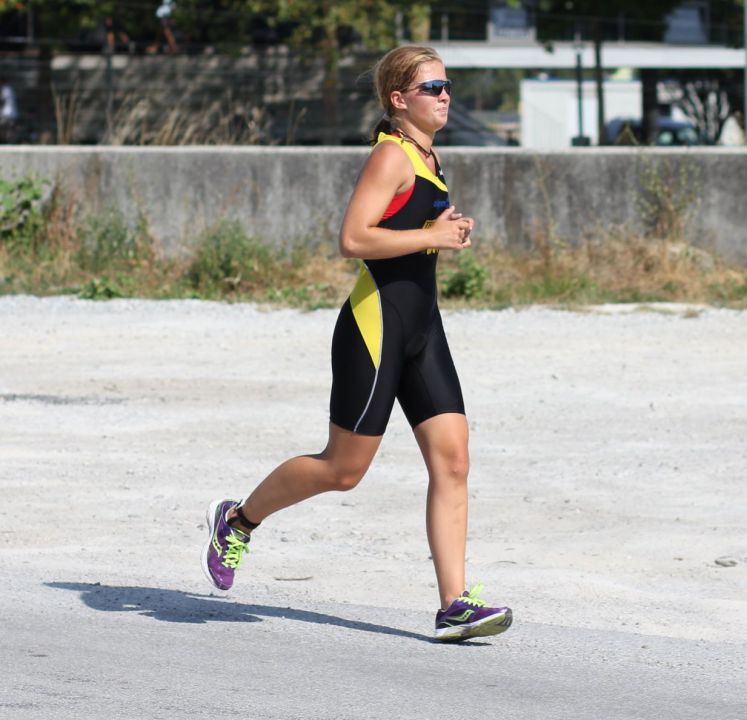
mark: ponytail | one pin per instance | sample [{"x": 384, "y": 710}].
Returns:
[{"x": 383, "y": 126}]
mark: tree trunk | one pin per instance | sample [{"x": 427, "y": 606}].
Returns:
[{"x": 420, "y": 23}]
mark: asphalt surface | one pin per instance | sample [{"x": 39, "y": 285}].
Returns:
[{"x": 86, "y": 650}]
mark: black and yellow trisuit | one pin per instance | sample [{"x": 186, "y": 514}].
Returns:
[{"x": 389, "y": 340}]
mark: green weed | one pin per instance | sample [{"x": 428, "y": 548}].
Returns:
[
  {"x": 670, "y": 194},
  {"x": 107, "y": 240},
  {"x": 21, "y": 220},
  {"x": 467, "y": 280},
  {"x": 100, "y": 289},
  {"x": 227, "y": 261}
]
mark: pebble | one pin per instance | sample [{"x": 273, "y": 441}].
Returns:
[{"x": 726, "y": 561}]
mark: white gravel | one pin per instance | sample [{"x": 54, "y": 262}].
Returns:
[{"x": 609, "y": 450}]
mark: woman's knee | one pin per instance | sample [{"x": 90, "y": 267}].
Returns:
[
  {"x": 348, "y": 457},
  {"x": 345, "y": 478},
  {"x": 453, "y": 465},
  {"x": 459, "y": 465}
]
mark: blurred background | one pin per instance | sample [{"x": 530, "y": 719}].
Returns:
[
  {"x": 533, "y": 73},
  {"x": 560, "y": 223}
]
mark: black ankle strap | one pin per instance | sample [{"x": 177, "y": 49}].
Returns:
[{"x": 243, "y": 519}]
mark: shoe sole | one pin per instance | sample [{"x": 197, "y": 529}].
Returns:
[
  {"x": 494, "y": 625},
  {"x": 210, "y": 518}
]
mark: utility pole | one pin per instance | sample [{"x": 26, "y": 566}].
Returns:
[
  {"x": 580, "y": 139},
  {"x": 108, "y": 53},
  {"x": 599, "y": 81}
]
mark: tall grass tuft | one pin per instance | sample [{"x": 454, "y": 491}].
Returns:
[
  {"x": 229, "y": 262},
  {"x": 107, "y": 241}
]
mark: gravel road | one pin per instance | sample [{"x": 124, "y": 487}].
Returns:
[{"x": 608, "y": 508}]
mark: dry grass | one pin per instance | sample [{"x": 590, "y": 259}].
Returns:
[
  {"x": 224, "y": 121},
  {"x": 610, "y": 266},
  {"x": 102, "y": 256}
]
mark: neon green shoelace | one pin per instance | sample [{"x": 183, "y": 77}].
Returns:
[
  {"x": 472, "y": 598},
  {"x": 234, "y": 552}
]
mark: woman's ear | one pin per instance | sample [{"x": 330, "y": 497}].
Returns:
[{"x": 398, "y": 100}]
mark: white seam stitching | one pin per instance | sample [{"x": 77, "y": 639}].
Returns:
[{"x": 381, "y": 349}]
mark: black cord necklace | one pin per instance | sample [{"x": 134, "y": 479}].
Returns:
[{"x": 411, "y": 139}]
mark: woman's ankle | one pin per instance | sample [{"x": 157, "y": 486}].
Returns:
[{"x": 237, "y": 519}]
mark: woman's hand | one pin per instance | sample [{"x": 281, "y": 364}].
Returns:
[{"x": 451, "y": 230}]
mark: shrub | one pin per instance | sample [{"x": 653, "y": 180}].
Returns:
[
  {"x": 22, "y": 216},
  {"x": 467, "y": 280},
  {"x": 227, "y": 260},
  {"x": 100, "y": 289},
  {"x": 107, "y": 240}
]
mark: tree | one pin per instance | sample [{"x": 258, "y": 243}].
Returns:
[
  {"x": 58, "y": 23},
  {"x": 590, "y": 19},
  {"x": 707, "y": 98},
  {"x": 326, "y": 27},
  {"x": 707, "y": 106},
  {"x": 330, "y": 26},
  {"x": 727, "y": 22}
]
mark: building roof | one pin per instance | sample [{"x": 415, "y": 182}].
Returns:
[{"x": 563, "y": 55}]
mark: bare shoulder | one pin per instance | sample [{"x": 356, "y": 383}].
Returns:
[
  {"x": 389, "y": 153},
  {"x": 390, "y": 164}
]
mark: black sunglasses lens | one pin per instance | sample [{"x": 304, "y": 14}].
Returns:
[{"x": 436, "y": 87}]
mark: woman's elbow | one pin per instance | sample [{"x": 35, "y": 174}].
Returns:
[{"x": 348, "y": 246}]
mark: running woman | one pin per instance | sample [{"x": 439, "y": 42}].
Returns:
[{"x": 389, "y": 343}]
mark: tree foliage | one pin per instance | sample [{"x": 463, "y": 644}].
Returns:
[
  {"x": 81, "y": 23},
  {"x": 642, "y": 20},
  {"x": 706, "y": 104},
  {"x": 371, "y": 23},
  {"x": 727, "y": 21},
  {"x": 708, "y": 98}
]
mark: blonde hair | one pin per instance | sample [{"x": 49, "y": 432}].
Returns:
[{"x": 396, "y": 71}]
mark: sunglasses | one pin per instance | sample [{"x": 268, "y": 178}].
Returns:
[{"x": 433, "y": 87}]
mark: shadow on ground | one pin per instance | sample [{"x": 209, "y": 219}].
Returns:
[{"x": 184, "y": 607}]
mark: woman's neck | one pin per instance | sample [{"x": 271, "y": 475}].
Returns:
[{"x": 421, "y": 140}]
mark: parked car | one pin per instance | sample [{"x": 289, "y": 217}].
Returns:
[{"x": 629, "y": 131}]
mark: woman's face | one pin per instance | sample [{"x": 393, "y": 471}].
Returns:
[{"x": 427, "y": 111}]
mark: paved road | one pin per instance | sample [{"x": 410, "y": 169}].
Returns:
[{"x": 84, "y": 650}]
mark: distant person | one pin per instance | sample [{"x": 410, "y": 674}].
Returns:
[
  {"x": 8, "y": 114},
  {"x": 388, "y": 344},
  {"x": 114, "y": 36},
  {"x": 165, "y": 14}
]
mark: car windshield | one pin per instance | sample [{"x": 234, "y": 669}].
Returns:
[{"x": 685, "y": 135}]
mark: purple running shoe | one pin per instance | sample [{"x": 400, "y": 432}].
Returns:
[
  {"x": 225, "y": 546},
  {"x": 469, "y": 617}
]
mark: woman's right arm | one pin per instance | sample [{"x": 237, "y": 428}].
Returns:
[{"x": 387, "y": 173}]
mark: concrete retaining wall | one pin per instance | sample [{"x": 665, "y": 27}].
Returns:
[{"x": 287, "y": 195}]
